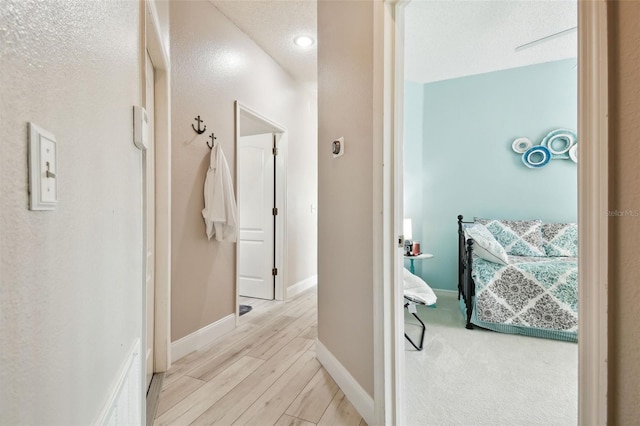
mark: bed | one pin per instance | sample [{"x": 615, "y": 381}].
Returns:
[{"x": 533, "y": 292}]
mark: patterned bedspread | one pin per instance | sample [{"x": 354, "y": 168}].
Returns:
[{"x": 532, "y": 295}]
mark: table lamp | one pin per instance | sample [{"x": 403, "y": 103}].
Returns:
[{"x": 408, "y": 236}]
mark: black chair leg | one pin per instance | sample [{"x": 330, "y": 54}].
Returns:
[{"x": 424, "y": 329}]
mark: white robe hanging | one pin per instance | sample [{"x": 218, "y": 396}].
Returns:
[{"x": 220, "y": 209}]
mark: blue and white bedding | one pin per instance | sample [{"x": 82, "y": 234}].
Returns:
[{"x": 534, "y": 296}]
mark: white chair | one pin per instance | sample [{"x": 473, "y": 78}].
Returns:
[{"x": 417, "y": 292}]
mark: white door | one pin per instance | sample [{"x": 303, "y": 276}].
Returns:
[
  {"x": 255, "y": 207},
  {"x": 150, "y": 218}
]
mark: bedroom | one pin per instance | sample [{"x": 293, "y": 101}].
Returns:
[{"x": 462, "y": 113}]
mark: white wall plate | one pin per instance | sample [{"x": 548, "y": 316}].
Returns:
[
  {"x": 43, "y": 169},
  {"x": 140, "y": 128}
]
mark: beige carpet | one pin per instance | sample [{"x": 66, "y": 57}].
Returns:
[{"x": 479, "y": 377}]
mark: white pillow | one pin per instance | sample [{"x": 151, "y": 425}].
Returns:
[{"x": 485, "y": 245}]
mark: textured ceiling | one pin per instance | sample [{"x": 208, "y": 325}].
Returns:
[
  {"x": 273, "y": 25},
  {"x": 453, "y": 38},
  {"x": 444, "y": 38}
]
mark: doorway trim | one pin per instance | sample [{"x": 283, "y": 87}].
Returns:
[
  {"x": 158, "y": 52},
  {"x": 593, "y": 194},
  {"x": 593, "y": 178},
  {"x": 281, "y": 255},
  {"x": 388, "y": 210}
]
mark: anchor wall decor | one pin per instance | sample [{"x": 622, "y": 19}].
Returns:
[
  {"x": 198, "y": 130},
  {"x": 213, "y": 141}
]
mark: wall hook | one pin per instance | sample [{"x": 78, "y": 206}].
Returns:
[
  {"x": 198, "y": 130},
  {"x": 213, "y": 141}
]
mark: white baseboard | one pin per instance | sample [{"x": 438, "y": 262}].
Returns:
[
  {"x": 203, "y": 337},
  {"x": 301, "y": 286},
  {"x": 124, "y": 403},
  {"x": 358, "y": 397},
  {"x": 438, "y": 291}
]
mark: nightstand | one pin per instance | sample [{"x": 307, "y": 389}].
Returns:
[{"x": 420, "y": 256}]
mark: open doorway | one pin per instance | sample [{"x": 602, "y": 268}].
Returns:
[
  {"x": 260, "y": 167},
  {"x": 463, "y": 110}
]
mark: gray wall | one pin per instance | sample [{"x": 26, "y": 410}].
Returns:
[
  {"x": 345, "y": 186},
  {"x": 624, "y": 177}
]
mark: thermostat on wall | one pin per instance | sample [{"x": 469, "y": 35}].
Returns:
[
  {"x": 337, "y": 147},
  {"x": 140, "y": 128}
]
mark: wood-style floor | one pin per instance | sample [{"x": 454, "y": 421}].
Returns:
[{"x": 265, "y": 372}]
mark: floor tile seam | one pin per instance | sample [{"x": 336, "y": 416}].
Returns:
[
  {"x": 222, "y": 370},
  {"x": 203, "y": 382},
  {"x": 283, "y": 346},
  {"x": 230, "y": 347},
  {"x": 302, "y": 326},
  {"x": 204, "y": 358},
  {"x": 212, "y": 403},
  {"x": 288, "y": 326},
  {"x": 298, "y": 394},
  {"x": 273, "y": 384},
  {"x": 240, "y": 348},
  {"x": 262, "y": 393},
  {"x": 323, "y": 411},
  {"x": 287, "y": 306},
  {"x": 329, "y": 404}
]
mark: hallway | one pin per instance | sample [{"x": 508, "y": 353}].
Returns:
[{"x": 264, "y": 372}]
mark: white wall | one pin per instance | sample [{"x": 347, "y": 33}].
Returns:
[
  {"x": 70, "y": 291},
  {"x": 162, "y": 9},
  {"x": 214, "y": 64}
]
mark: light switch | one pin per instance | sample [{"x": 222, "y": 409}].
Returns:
[{"x": 43, "y": 169}]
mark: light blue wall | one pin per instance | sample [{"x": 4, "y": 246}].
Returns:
[
  {"x": 412, "y": 158},
  {"x": 468, "y": 166}
]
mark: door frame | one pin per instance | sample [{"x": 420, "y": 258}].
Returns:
[
  {"x": 153, "y": 43},
  {"x": 388, "y": 309},
  {"x": 593, "y": 178},
  {"x": 149, "y": 207},
  {"x": 593, "y": 202},
  {"x": 281, "y": 255}
]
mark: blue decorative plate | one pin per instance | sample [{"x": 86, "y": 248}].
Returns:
[{"x": 536, "y": 157}]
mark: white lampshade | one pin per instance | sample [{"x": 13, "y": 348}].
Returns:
[{"x": 408, "y": 235}]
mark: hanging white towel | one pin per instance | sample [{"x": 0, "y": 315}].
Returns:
[{"x": 220, "y": 210}]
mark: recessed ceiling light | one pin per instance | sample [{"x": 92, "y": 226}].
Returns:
[{"x": 303, "y": 41}]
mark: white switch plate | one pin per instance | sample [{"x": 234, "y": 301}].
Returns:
[
  {"x": 140, "y": 128},
  {"x": 43, "y": 169}
]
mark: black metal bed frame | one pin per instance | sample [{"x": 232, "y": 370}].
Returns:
[{"x": 466, "y": 285}]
